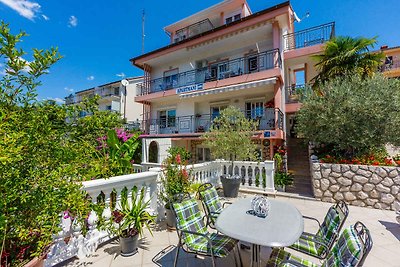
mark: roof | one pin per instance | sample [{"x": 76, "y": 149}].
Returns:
[
  {"x": 118, "y": 81},
  {"x": 254, "y": 15}
]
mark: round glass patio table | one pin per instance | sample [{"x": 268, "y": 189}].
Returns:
[{"x": 281, "y": 228}]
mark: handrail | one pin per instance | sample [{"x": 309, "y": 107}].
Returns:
[{"x": 235, "y": 67}]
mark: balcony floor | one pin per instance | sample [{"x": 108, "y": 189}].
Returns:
[{"x": 385, "y": 232}]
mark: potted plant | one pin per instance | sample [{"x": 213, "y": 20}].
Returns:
[
  {"x": 282, "y": 179},
  {"x": 175, "y": 179},
  {"x": 129, "y": 221},
  {"x": 230, "y": 139}
]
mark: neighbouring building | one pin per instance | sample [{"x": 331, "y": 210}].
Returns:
[
  {"x": 391, "y": 65},
  {"x": 226, "y": 55},
  {"x": 115, "y": 96}
]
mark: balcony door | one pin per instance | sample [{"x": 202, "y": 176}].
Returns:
[
  {"x": 216, "y": 111},
  {"x": 167, "y": 120},
  {"x": 170, "y": 79},
  {"x": 254, "y": 109}
]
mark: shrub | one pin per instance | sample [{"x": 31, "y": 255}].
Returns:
[{"x": 353, "y": 116}]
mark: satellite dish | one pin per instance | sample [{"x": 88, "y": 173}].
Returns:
[{"x": 124, "y": 82}]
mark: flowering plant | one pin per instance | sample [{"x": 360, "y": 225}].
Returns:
[
  {"x": 118, "y": 150},
  {"x": 176, "y": 177},
  {"x": 372, "y": 159}
]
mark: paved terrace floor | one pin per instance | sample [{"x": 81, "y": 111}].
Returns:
[{"x": 159, "y": 249}]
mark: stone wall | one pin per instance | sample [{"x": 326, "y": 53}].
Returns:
[{"x": 359, "y": 185}]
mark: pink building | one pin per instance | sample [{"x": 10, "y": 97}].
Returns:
[{"x": 221, "y": 56}]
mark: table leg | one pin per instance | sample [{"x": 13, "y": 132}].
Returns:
[{"x": 255, "y": 256}]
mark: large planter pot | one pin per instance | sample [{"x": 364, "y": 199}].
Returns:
[
  {"x": 129, "y": 245},
  {"x": 280, "y": 188},
  {"x": 230, "y": 186},
  {"x": 170, "y": 217}
]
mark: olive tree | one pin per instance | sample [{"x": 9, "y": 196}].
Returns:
[
  {"x": 230, "y": 135},
  {"x": 352, "y": 115}
]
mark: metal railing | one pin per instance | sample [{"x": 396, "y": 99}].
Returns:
[
  {"x": 309, "y": 37},
  {"x": 193, "y": 30},
  {"x": 294, "y": 92},
  {"x": 222, "y": 70},
  {"x": 267, "y": 119},
  {"x": 390, "y": 66}
]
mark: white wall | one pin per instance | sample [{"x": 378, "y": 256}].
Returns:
[
  {"x": 163, "y": 145},
  {"x": 131, "y": 110}
]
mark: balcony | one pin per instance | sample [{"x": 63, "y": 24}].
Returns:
[
  {"x": 309, "y": 37},
  {"x": 268, "y": 119},
  {"x": 219, "y": 71},
  {"x": 294, "y": 92},
  {"x": 391, "y": 65},
  {"x": 193, "y": 30}
]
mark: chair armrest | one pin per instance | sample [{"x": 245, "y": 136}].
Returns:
[
  {"x": 316, "y": 239},
  {"x": 214, "y": 213},
  {"x": 313, "y": 219},
  {"x": 202, "y": 235},
  {"x": 295, "y": 263},
  {"x": 226, "y": 203}
]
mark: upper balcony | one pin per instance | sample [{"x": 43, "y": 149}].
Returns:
[
  {"x": 309, "y": 37},
  {"x": 391, "y": 68},
  {"x": 253, "y": 63},
  {"x": 193, "y": 30}
]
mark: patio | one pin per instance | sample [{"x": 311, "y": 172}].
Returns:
[{"x": 385, "y": 232}]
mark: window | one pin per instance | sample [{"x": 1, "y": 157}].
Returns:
[
  {"x": 218, "y": 70},
  {"x": 116, "y": 91},
  {"x": 108, "y": 107},
  {"x": 228, "y": 20},
  {"x": 254, "y": 109},
  {"x": 203, "y": 154},
  {"x": 216, "y": 111},
  {"x": 170, "y": 79},
  {"x": 167, "y": 118},
  {"x": 233, "y": 18},
  {"x": 300, "y": 76}
]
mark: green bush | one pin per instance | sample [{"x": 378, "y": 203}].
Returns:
[{"x": 352, "y": 116}]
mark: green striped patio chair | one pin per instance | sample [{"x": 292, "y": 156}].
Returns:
[
  {"x": 193, "y": 234},
  {"x": 211, "y": 203},
  {"x": 318, "y": 244},
  {"x": 350, "y": 250}
]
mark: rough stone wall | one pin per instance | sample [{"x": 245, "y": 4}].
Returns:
[{"x": 359, "y": 185}]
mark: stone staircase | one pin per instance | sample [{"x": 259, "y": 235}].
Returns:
[{"x": 299, "y": 165}]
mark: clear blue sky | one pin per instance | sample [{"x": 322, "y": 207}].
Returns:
[{"x": 97, "y": 38}]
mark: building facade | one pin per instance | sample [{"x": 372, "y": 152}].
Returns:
[
  {"x": 225, "y": 56},
  {"x": 118, "y": 96},
  {"x": 391, "y": 65}
]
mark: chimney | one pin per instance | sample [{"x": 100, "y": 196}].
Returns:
[{"x": 384, "y": 47}]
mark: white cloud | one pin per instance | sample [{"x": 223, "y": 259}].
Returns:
[
  {"x": 90, "y": 78},
  {"x": 121, "y": 75},
  {"x": 72, "y": 22},
  {"x": 45, "y": 17},
  {"x": 25, "y": 8},
  {"x": 69, "y": 90},
  {"x": 57, "y": 99}
]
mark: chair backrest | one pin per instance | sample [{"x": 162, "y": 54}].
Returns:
[
  {"x": 333, "y": 222},
  {"x": 352, "y": 247},
  {"x": 210, "y": 199},
  {"x": 188, "y": 217}
]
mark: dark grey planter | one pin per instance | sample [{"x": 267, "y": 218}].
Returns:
[
  {"x": 129, "y": 245},
  {"x": 231, "y": 185},
  {"x": 170, "y": 218}
]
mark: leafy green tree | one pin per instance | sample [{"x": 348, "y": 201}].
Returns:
[
  {"x": 347, "y": 56},
  {"x": 353, "y": 116},
  {"x": 230, "y": 135}
]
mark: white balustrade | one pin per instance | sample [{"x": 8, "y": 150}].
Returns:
[{"x": 70, "y": 241}]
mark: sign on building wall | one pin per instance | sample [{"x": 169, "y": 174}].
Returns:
[{"x": 190, "y": 88}]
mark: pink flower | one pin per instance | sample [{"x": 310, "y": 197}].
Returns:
[{"x": 178, "y": 159}]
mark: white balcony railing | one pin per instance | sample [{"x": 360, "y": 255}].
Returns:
[{"x": 71, "y": 242}]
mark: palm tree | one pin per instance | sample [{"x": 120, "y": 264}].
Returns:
[{"x": 346, "y": 55}]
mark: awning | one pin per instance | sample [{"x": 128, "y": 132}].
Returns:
[{"x": 233, "y": 87}]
